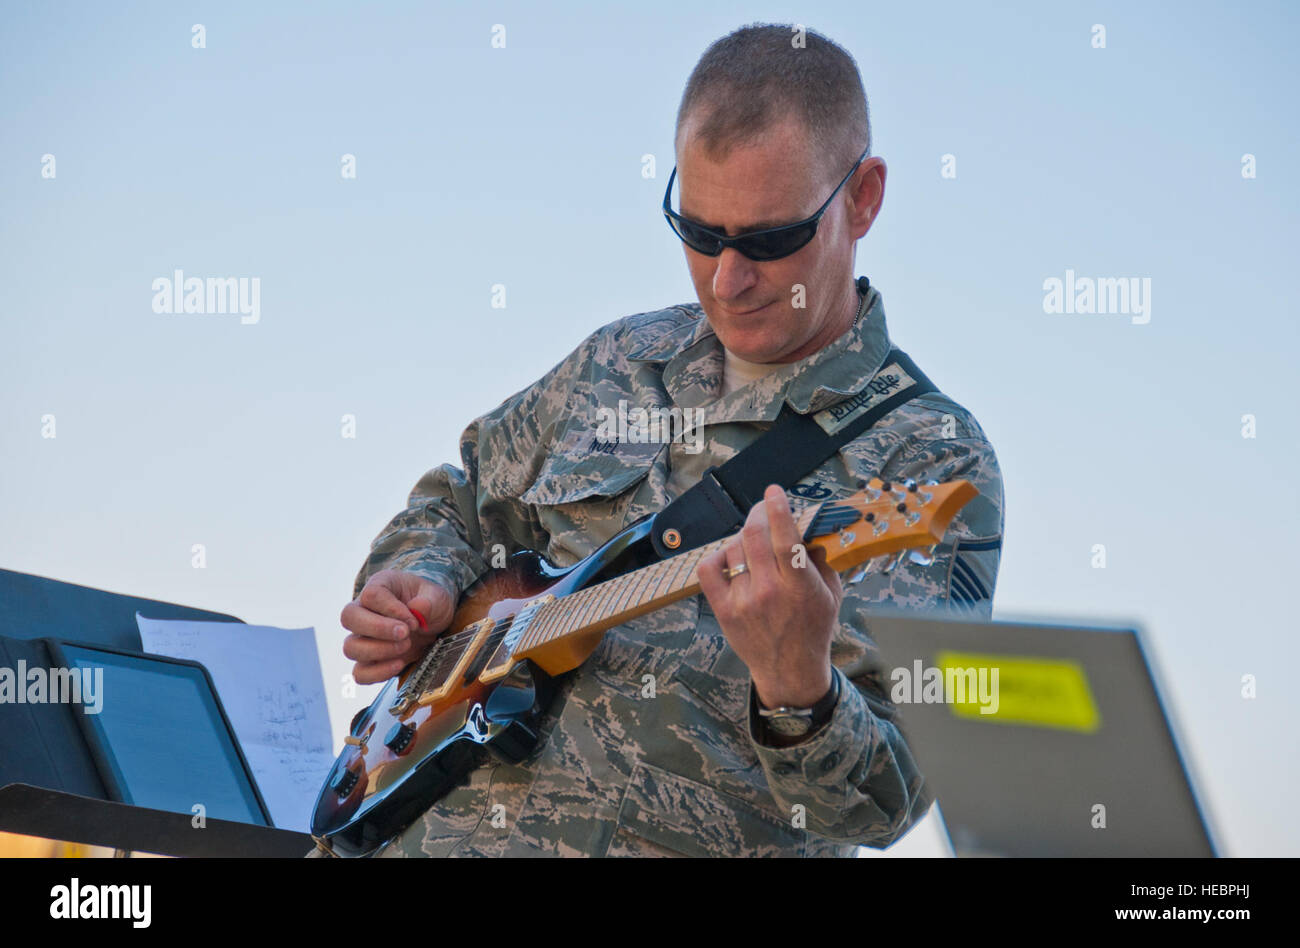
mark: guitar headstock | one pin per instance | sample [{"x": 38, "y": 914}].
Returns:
[{"x": 885, "y": 518}]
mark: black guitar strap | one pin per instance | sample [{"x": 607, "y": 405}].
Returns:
[{"x": 795, "y": 445}]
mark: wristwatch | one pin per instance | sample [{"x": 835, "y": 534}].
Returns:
[{"x": 799, "y": 722}]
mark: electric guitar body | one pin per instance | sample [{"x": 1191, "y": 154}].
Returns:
[
  {"x": 487, "y": 680},
  {"x": 413, "y": 757}
]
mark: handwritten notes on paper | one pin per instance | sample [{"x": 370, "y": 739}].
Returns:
[{"x": 270, "y": 684}]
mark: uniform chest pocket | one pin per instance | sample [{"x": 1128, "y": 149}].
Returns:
[
  {"x": 583, "y": 495},
  {"x": 586, "y": 493}
]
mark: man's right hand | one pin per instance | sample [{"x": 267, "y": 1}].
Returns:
[{"x": 386, "y": 634}]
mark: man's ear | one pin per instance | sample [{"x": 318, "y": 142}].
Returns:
[{"x": 867, "y": 192}]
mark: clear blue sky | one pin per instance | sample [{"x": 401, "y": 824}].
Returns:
[{"x": 522, "y": 166}]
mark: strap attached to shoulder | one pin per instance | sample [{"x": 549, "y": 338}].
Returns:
[{"x": 794, "y": 446}]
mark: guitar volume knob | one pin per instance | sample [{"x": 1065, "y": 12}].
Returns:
[
  {"x": 343, "y": 782},
  {"x": 399, "y": 737}
]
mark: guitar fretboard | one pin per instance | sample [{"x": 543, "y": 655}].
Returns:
[{"x": 623, "y": 598}]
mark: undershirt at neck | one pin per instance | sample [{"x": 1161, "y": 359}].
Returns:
[{"x": 736, "y": 372}]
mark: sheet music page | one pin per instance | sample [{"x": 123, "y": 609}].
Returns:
[{"x": 269, "y": 681}]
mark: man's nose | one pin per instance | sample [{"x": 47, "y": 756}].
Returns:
[{"x": 734, "y": 275}]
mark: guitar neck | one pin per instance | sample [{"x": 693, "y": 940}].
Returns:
[
  {"x": 882, "y": 518},
  {"x": 592, "y": 610}
]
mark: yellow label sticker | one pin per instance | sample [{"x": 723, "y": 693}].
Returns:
[{"x": 1016, "y": 689}]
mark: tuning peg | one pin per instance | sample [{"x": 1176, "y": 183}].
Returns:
[
  {"x": 873, "y": 565},
  {"x": 923, "y": 557},
  {"x": 896, "y": 562}
]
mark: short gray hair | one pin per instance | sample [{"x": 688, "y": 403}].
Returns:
[{"x": 756, "y": 76}]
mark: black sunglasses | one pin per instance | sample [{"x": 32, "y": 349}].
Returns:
[{"x": 771, "y": 243}]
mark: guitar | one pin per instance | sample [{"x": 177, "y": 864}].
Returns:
[{"x": 488, "y": 678}]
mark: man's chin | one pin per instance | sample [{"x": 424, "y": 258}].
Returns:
[
  {"x": 749, "y": 344},
  {"x": 750, "y": 352},
  {"x": 753, "y": 348}
]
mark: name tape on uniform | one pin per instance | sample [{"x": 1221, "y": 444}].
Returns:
[{"x": 889, "y": 380}]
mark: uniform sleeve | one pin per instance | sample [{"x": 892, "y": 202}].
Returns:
[
  {"x": 856, "y": 777},
  {"x": 457, "y": 518},
  {"x": 437, "y": 536}
]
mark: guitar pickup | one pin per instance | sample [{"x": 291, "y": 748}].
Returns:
[{"x": 445, "y": 681}]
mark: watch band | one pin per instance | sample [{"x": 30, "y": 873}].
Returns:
[{"x": 794, "y": 722}]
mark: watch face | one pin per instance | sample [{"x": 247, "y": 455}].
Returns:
[{"x": 789, "y": 726}]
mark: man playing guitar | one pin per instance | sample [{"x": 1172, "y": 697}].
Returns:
[{"x": 752, "y": 719}]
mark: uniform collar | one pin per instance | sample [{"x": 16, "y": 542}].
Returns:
[{"x": 694, "y": 359}]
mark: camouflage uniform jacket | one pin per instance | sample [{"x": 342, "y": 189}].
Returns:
[{"x": 680, "y": 768}]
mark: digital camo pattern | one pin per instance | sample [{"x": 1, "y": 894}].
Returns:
[{"x": 649, "y": 748}]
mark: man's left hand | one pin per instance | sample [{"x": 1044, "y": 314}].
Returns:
[{"x": 780, "y": 614}]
